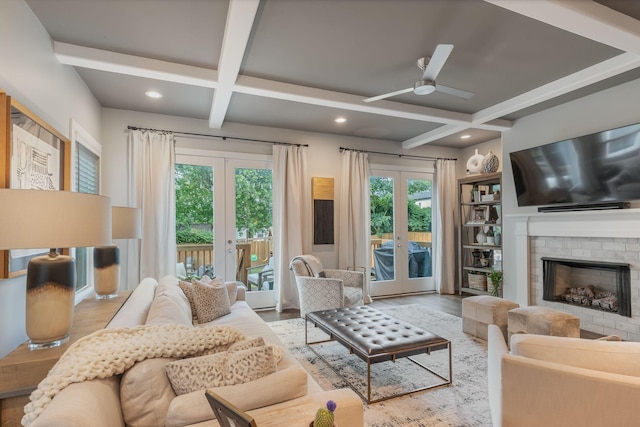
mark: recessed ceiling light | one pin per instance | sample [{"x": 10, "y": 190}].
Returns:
[
  {"x": 153, "y": 94},
  {"x": 340, "y": 120},
  {"x": 465, "y": 136}
]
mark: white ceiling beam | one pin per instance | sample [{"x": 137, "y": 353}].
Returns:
[
  {"x": 585, "y": 18},
  {"x": 434, "y": 135},
  {"x": 240, "y": 18},
  {"x": 308, "y": 95},
  {"x": 585, "y": 77},
  {"x": 112, "y": 62}
]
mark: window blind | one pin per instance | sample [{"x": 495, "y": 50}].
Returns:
[{"x": 87, "y": 170}]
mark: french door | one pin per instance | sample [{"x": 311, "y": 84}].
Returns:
[
  {"x": 234, "y": 221},
  {"x": 401, "y": 235}
]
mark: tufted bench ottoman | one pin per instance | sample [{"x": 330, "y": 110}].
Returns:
[
  {"x": 543, "y": 321},
  {"x": 480, "y": 311},
  {"x": 376, "y": 337}
]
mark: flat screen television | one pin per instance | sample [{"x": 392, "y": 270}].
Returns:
[{"x": 602, "y": 167}]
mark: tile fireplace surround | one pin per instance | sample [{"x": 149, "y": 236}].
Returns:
[{"x": 609, "y": 236}]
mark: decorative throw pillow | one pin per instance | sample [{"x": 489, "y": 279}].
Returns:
[
  {"x": 187, "y": 288},
  {"x": 211, "y": 300},
  {"x": 197, "y": 373},
  {"x": 217, "y": 370},
  {"x": 249, "y": 365},
  {"x": 245, "y": 344}
]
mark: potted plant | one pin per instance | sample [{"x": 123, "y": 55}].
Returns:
[{"x": 494, "y": 282}]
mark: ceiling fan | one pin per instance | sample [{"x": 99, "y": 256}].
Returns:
[{"x": 427, "y": 84}]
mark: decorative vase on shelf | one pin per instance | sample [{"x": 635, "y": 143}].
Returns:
[
  {"x": 481, "y": 237},
  {"x": 490, "y": 163},
  {"x": 474, "y": 164},
  {"x": 497, "y": 237}
]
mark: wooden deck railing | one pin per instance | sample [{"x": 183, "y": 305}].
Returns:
[{"x": 199, "y": 259}]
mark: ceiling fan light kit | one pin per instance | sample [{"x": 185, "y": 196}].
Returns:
[{"x": 423, "y": 87}]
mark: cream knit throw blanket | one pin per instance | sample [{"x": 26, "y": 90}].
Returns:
[{"x": 110, "y": 352}]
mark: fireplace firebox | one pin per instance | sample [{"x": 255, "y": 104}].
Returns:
[{"x": 598, "y": 285}]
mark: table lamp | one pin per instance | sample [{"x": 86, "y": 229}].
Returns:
[
  {"x": 51, "y": 219},
  {"x": 126, "y": 224}
]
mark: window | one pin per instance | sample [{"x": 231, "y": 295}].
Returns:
[{"x": 86, "y": 152}]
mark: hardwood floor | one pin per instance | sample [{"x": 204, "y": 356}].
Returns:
[{"x": 451, "y": 304}]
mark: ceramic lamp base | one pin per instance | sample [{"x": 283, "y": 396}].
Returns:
[
  {"x": 106, "y": 262},
  {"x": 51, "y": 283}
]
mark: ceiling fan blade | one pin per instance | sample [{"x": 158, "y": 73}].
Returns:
[
  {"x": 453, "y": 91},
  {"x": 388, "y": 95},
  {"x": 437, "y": 61}
]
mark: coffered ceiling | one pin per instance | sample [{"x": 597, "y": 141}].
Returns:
[{"x": 299, "y": 64}]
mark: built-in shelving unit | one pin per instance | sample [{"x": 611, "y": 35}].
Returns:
[{"x": 480, "y": 208}]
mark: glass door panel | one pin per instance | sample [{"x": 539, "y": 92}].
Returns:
[
  {"x": 418, "y": 192},
  {"x": 195, "y": 237},
  {"x": 249, "y": 225},
  {"x": 400, "y": 234},
  {"x": 383, "y": 239}
]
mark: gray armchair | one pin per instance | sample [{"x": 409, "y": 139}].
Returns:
[{"x": 320, "y": 289}]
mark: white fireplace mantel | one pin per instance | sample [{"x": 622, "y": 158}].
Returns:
[{"x": 622, "y": 223}]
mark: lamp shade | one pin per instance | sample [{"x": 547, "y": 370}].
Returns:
[
  {"x": 53, "y": 219},
  {"x": 126, "y": 223}
]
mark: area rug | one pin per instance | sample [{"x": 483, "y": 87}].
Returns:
[{"x": 462, "y": 404}]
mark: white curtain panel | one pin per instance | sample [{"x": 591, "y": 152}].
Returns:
[
  {"x": 152, "y": 189},
  {"x": 354, "y": 219},
  {"x": 445, "y": 230},
  {"x": 291, "y": 218}
]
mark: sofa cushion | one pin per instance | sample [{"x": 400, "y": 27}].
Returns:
[
  {"x": 211, "y": 300},
  {"x": 232, "y": 290},
  {"x": 135, "y": 310},
  {"x": 170, "y": 306},
  {"x": 217, "y": 370},
  {"x": 145, "y": 393},
  {"x": 616, "y": 357},
  {"x": 94, "y": 403}
]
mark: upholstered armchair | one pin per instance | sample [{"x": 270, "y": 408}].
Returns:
[{"x": 321, "y": 289}]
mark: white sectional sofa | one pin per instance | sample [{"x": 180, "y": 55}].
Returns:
[
  {"x": 559, "y": 381},
  {"x": 143, "y": 395}
]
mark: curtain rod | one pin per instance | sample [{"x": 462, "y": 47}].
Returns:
[
  {"x": 409, "y": 156},
  {"x": 224, "y": 138}
]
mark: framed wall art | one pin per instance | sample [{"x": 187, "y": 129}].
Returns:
[{"x": 33, "y": 155}]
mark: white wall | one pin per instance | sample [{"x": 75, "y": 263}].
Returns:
[
  {"x": 31, "y": 74},
  {"x": 324, "y": 155},
  {"x": 607, "y": 109}
]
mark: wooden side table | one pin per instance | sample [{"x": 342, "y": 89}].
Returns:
[{"x": 22, "y": 370}]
